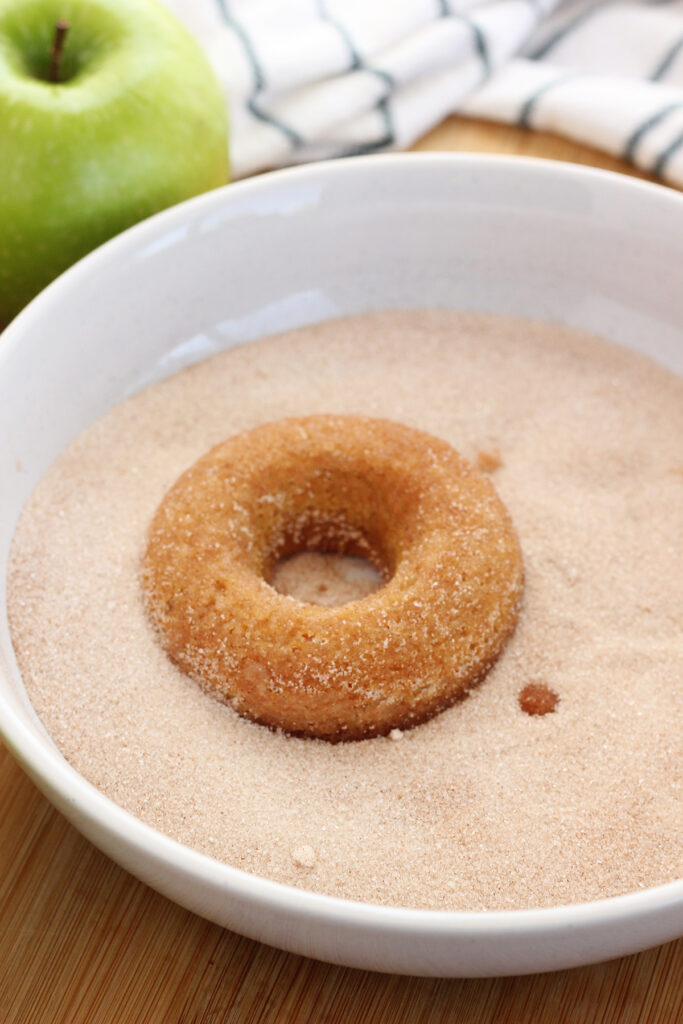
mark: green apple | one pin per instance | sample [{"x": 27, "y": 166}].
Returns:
[{"x": 133, "y": 122}]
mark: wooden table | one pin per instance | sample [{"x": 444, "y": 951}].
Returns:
[{"x": 82, "y": 942}]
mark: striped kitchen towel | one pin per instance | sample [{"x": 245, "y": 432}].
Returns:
[{"x": 312, "y": 79}]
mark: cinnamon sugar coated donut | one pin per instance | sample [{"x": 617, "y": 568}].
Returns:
[{"x": 431, "y": 523}]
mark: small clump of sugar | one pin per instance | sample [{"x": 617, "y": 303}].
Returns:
[
  {"x": 489, "y": 461},
  {"x": 303, "y": 856},
  {"x": 538, "y": 699}
]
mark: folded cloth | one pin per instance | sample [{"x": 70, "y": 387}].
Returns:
[{"x": 313, "y": 79}]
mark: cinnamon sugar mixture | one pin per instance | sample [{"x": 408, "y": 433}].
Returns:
[{"x": 487, "y": 806}]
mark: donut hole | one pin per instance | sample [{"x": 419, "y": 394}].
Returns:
[
  {"x": 325, "y": 535},
  {"x": 326, "y": 562},
  {"x": 325, "y": 578}
]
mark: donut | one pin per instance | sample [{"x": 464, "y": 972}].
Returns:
[{"x": 431, "y": 523}]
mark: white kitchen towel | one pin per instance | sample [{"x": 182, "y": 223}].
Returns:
[{"x": 313, "y": 79}]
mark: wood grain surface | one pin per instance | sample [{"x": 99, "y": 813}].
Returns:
[{"x": 82, "y": 942}]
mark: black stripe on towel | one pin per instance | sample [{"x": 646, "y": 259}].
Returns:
[
  {"x": 259, "y": 79},
  {"x": 388, "y": 139},
  {"x": 478, "y": 37},
  {"x": 566, "y": 29},
  {"x": 634, "y": 139},
  {"x": 528, "y": 108},
  {"x": 480, "y": 44},
  {"x": 355, "y": 59},
  {"x": 358, "y": 64},
  {"x": 664, "y": 157},
  {"x": 666, "y": 61}
]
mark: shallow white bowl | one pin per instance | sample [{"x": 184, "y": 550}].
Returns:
[{"x": 499, "y": 235}]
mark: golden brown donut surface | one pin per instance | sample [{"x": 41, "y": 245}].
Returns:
[{"x": 431, "y": 523}]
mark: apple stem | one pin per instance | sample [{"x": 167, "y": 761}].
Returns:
[{"x": 57, "y": 49}]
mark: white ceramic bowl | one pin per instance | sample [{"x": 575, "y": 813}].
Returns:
[{"x": 500, "y": 235}]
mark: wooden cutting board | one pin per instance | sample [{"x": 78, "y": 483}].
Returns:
[{"x": 82, "y": 942}]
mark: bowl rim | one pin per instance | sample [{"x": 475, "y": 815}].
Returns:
[
  {"x": 541, "y": 167},
  {"x": 65, "y": 787}
]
